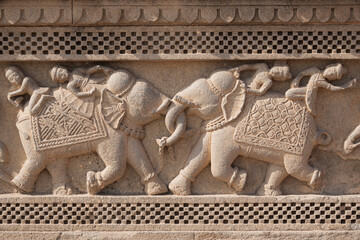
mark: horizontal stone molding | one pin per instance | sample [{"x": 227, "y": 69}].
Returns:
[
  {"x": 195, "y": 43},
  {"x": 86, "y": 12},
  {"x": 188, "y": 235},
  {"x": 35, "y": 12},
  {"x": 175, "y": 213}
]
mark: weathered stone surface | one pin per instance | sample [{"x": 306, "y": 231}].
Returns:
[{"x": 228, "y": 104}]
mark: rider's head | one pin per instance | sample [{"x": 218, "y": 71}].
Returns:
[
  {"x": 280, "y": 71},
  {"x": 59, "y": 74},
  {"x": 334, "y": 71},
  {"x": 14, "y": 75},
  {"x": 120, "y": 82}
]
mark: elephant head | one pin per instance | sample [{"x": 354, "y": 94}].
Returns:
[{"x": 222, "y": 95}]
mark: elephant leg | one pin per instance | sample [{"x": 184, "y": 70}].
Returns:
[
  {"x": 25, "y": 180},
  {"x": 223, "y": 153},
  {"x": 198, "y": 159},
  {"x": 139, "y": 160},
  {"x": 274, "y": 176},
  {"x": 297, "y": 166},
  {"x": 222, "y": 157},
  {"x": 113, "y": 153},
  {"x": 58, "y": 171}
]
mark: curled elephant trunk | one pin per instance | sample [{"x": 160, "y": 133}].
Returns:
[
  {"x": 175, "y": 109},
  {"x": 175, "y": 121}
]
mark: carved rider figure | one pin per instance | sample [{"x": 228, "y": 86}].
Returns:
[
  {"x": 25, "y": 86},
  {"x": 318, "y": 79},
  {"x": 262, "y": 79},
  {"x": 81, "y": 93}
]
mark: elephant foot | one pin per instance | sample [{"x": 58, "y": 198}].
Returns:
[
  {"x": 238, "y": 179},
  {"x": 316, "y": 180},
  {"x": 93, "y": 182},
  {"x": 62, "y": 190},
  {"x": 180, "y": 185},
  {"x": 21, "y": 183},
  {"x": 268, "y": 190},
  {"x": 155, "y": 186}
]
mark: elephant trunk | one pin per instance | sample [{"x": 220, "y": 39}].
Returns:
[
  {"x": 175, "y": 121},
  {"x": 175, "y": 109},
  {"x": 179, "y": 129}
]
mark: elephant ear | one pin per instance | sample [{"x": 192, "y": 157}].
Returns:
[
  {"x": 233, "y": 102},
  {"x": 112, "y": 108}
]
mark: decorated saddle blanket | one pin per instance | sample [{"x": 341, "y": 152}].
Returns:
[
  {"x": 59, "y": 125},
  {"x": 276, "y": 123}
]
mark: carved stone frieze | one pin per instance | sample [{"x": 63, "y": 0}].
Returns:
[
  {"x": 216, "y": 119},
  {"x": 99, "y": 109}
]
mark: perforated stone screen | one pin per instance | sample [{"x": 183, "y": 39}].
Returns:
[
  {"x": 188, "y": 43},
  {"x": 202, "y": 213}
]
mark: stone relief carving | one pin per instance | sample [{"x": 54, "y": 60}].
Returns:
[
  {"x": 243, "y": 120},
  {"x": 85, "y": 115},
  {"x": 103, "y": 110}
]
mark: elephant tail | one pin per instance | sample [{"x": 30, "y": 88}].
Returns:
[{"x": 322, "y": 138}]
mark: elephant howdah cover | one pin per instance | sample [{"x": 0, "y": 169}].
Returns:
[
  {"x": 277, "y": 123},
  {"x": 59, "y": 125}
]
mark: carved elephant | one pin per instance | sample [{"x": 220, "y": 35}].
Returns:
[
  {"x": 269, "y": 128},
  {"x": 59, "y": 132}
]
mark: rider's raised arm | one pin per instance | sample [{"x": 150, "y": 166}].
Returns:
[
  {"x": 73, "y": 86},
  {"x": 79, "y": 71},
  {"x": 266, "y": 85},
  {"x": 306, "y": 73},
  {"x": 24, "y": 88},
  {"x": 250, "y": 67},
  {"x": 330, "y": 87},
  {"x": 98, "y": 68}
]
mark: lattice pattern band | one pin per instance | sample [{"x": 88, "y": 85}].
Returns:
[
  {"x": 207, "y": 212},
  {"x": 184, "y": 43}
]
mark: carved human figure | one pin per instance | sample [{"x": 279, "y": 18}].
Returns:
[
  {"x": 263, "y": 77},
  {"x": 80, "y": 84},
  {"x": 114, "y": 132},
  {"x": 239, "y": 122},
  {"x": 318, "y": 79},
  {"x": 25, "y": 86}
]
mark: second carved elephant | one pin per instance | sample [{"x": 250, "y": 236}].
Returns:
[{"x": 236, "y": 123}]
